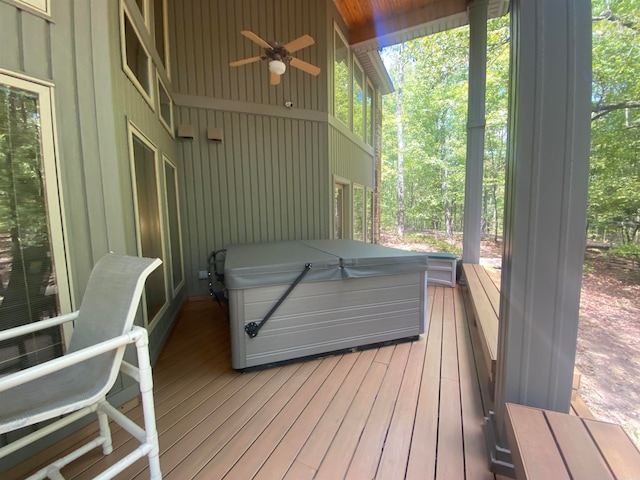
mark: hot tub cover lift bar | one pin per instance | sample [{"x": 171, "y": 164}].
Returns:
[{"x": 253, "y": 328}]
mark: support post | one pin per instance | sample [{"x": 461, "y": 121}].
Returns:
[
  {"x": 545, "y": 208},
  {"x": 475, "y": 130}
]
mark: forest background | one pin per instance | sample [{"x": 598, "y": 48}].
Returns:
[{"x": 423, "y": 169}]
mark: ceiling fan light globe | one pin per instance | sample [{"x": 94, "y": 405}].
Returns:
[{"x": 278, "y": 67}]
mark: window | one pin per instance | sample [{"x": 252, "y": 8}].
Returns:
[
  {"x": 358, "y": 213},
  {"x": 339, "y": 220},
  {"x": 160, "y": 31},
  {"x": 136, "y": 60},
  {"x": 369, "y": 114},
  {"x": 173, "y": 222},
  {"x": 341, "y": 78},
  {"x": 358, "y": 100},
  {"x": 33, "y": 274},
  {"x": 148, "y": 219},
  {"x": 369, "y": 216},
  {"x": 165, "y": 109},
  {"x": 38, "y": 5},
  {"x": 143, "y": 9}
]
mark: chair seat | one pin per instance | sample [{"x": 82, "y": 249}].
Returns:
[{"x": 52, "y": 395}]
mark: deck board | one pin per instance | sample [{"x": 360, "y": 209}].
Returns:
[{"x": 411, "y": 410}]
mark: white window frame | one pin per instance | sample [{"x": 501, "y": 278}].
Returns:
[
  {"x": 347, "y": 204},
  {"x": 148, "y": 96},
  {"x": 53, "y": 186},
  {"x": 131, "y": 131},
  {"x": 369, "y": 191},
  {"x": 145, "y": 15},
  {"x": 174, "y": 288},
  {"x": 356, "y": 64},
  {"x": 39, "y": 6},
  {"x": 168, "y": 126}
]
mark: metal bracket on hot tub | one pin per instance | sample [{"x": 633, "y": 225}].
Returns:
[{"x": 253, "y": 328}]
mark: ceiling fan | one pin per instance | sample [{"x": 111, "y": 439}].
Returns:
[{"x": 279, "y": 55}]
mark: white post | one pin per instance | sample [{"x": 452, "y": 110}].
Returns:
[
  {"x": 545, "y": 208},
  {"x": 475, "y": 130}
]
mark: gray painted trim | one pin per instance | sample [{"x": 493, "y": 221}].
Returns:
[
  {"x": 237, "y": 106},
  {"x": 545, "y": 204}
]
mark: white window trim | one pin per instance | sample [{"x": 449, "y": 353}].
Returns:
[
  {"x": 168, "y": 127},
  {"x": 53, "y": 186},
  {"x": 40, "y": 7},
  {"x": 124, "y": 11},
  {"x": 167, "y": 160},
  {"x": 346, "y": 202},
  {"x": 131, "y": 131},
  {"x": 145, "y": 15}
]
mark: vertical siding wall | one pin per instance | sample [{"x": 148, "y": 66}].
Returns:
[
  {"x": 268, "y": 180},
  {"x": 265, "y": 182},
  {"x": 207, "y": 37},
  {"x": 130, "y": 106}
]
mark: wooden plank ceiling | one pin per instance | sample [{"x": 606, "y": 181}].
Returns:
[{"x": 378, "y": 23}]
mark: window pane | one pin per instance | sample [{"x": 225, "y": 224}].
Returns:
[
  {"x": 28, "y": 288},
  {"x": 338, "y": 211},
  {"x": 149, "y": 227},
  {"x": 358, "y": 101},
  {"x": 369, "y": 107},
  {"x": 166, "y": 105},
  {"x": 341, "y": 80},
  {"x": 174, "y": 224},
  {"x": 369, "y": 216},
  {"x": 137, "y": 58},
  {"x": 358, "y": 213},
  {"x": 159, "y": 33}
]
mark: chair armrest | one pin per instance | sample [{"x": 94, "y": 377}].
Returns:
[
  {"x": 36, "y": 326},
  {"x": 37, "y": 371}
]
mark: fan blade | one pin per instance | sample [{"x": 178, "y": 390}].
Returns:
[
  {"x": 299, "y": 43},
  {"x": 255, "y": 38},
  {"x": 302, "y": 65},
  {"x": 275, "y": 79},
  {"x": 237, "y": 63}
]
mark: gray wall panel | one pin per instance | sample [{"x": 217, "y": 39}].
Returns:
[
  {"x": 262, "y": 183},
  {"x": 208, "y": 38}
]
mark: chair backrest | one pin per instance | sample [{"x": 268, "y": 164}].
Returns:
[{"x": 109, "y": 307}]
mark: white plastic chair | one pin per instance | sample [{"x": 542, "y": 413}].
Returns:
[{"x": 76, "y": 384}]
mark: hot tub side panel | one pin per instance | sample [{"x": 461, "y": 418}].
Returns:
[{"x": 322, "y": 317}]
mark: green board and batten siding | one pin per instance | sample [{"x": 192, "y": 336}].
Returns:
[
  {"x": 271, "y": 177},
  {"x": 78, "y": 52}
]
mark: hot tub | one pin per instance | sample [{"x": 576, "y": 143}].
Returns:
[{"x": 351, "y": 295}]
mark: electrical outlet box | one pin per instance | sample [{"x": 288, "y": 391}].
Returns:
[{"x": 203, "y": 275}]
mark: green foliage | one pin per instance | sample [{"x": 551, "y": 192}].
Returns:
[
  {"x": 24, "y": 221},
  {"x": 630, "y": 251},
  {"x": 614, "y": 183}
]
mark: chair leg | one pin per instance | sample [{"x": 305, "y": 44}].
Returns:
[
  {"x": 148, "y": 407},
  {"x": 105, "y": 431}
]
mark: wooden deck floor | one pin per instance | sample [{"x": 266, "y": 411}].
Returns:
[{"x": 412, "y": 410}]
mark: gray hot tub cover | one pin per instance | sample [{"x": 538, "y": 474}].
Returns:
[{"x": 276, "y": 263}]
